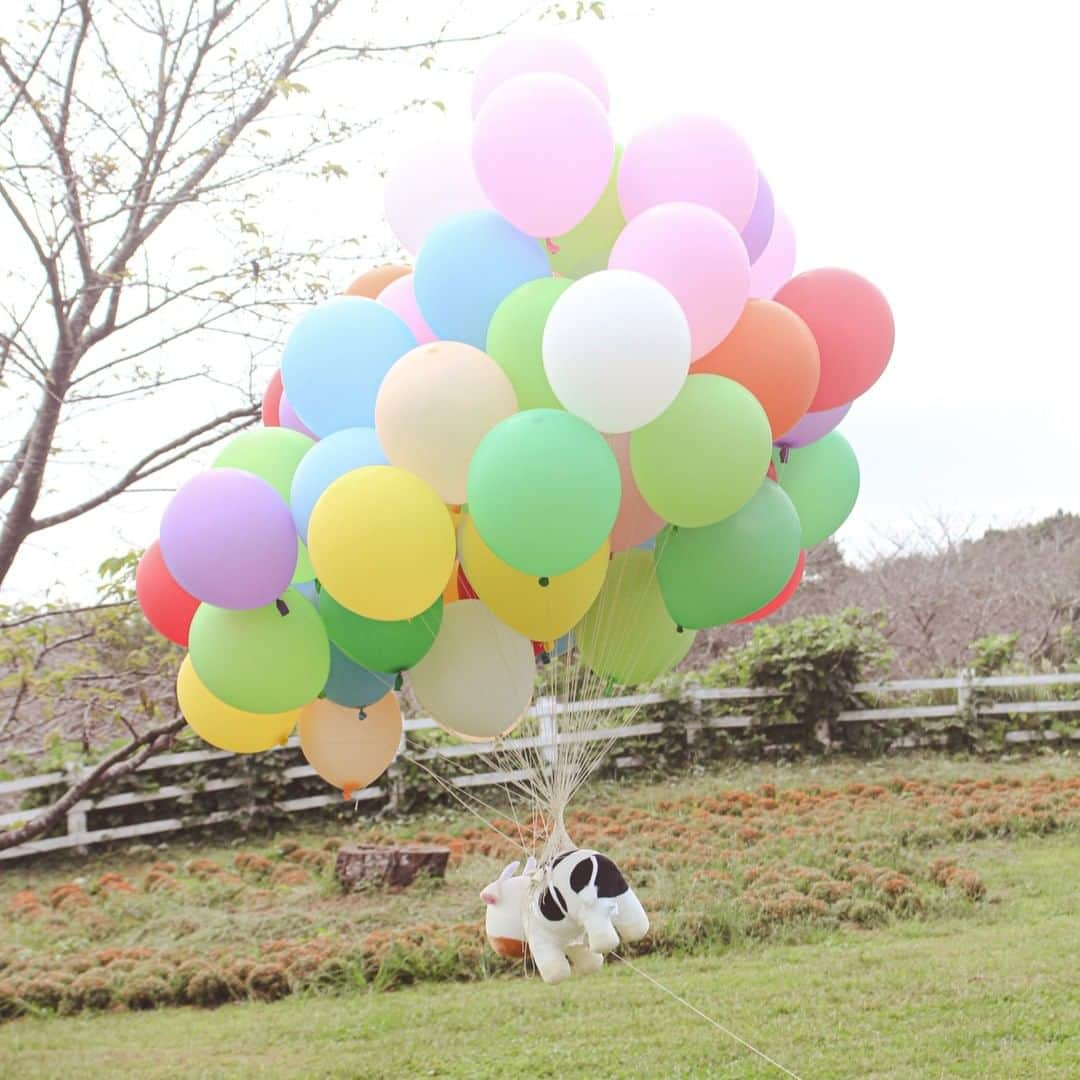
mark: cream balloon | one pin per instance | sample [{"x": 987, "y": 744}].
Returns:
[
  {"x": 225, "y": 727},
  {"x": 435, "y": 405},
  {"x": 616, "y": 349},
  {"x": 350, "y": 748},
  {"x": 477, "y": 679}
]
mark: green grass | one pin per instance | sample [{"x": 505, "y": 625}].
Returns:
[
  {"x": 942, "y": 981},
  {"x": 992, "y": 995}
]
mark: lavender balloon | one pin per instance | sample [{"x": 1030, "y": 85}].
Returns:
[
  {"x": 227, "y": 537},
  {"x": 287, "y": 418},
  {"x": 756, "y": 232},
  {"x": 813, "y": 426}
]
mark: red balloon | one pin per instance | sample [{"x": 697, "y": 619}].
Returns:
[
  {"x": 271, "y": 401},
  {"x": 538, "y": 648},
  {"x": 852, "y": 325},
  {"x": 167, "y": 607},
  {"x": 464, "y": 586},
  {"x": 783, "y": 596}
]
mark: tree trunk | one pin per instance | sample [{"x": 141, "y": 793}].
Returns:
[{"x": 395, "y": 866}]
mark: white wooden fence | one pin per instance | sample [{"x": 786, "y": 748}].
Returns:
[{"x": 79, "y": 834}]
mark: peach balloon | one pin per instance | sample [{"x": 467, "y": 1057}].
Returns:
[
  {"x": 773, "y": 354},
  {"x": 350, "y": 748},
  {"x": 373, "y": 282},
  {"x": 435, "y": 405},
  {"x": 636, "y": 522}
]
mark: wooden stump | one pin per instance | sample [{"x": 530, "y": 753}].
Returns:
[{"x": 395, "y": 866}]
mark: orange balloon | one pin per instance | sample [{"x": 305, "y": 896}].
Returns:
[
  {"x": 374, "y": 281},
  {"x": 773, "y": 354}
]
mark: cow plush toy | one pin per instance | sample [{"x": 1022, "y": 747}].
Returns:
[{"x": 569, "y": 913}]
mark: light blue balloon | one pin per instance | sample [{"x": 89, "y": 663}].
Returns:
[
  {"x": 563, "y": 645},
  {"x": 354, "y": 686},
  {"x": 328, "y": 459},
  {"x": 468, "y": 265},
  {"x": 308, "y": 591},
  {"x": 645, "y": 545},
  {"x": 335, "y": 359}
]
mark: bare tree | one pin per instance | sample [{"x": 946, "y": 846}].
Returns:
[{"x": 125, "y": 126}]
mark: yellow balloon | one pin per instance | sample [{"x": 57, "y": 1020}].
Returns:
[
  {"x": 435, "y": 405},
  {"x": 382, "y": 543},
  {"x": 540, "y": 612},
  {"x": 349, "y": 748},
  {"x": 225, "y": 727}
]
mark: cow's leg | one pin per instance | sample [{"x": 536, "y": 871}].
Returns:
[
  {"x": 599, "y": 932},
  {"x": 583, "y": 960},
  {"x": 550, "y": 960},
  {"x": 630, "y": 919}
]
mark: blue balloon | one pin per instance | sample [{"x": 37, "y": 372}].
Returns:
[
  {"x": 354, "y": 686},
  {"x": 335, "y": 359},
  {"x": 308, "y": 591},
  {"x": 564, "y": 644},
  {"x": 468, "y": 265},
  {"x": 328, "y": 459},
  {"x": 645, "y": 545}
]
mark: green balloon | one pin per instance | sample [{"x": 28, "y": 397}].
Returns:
[
  {"x": 543, "y": 491},
  {"x": 822, "y": 480},
  {"x": 304, "y": 570},
  {"x": 265, "y": 660},
  {"x": 721, "y": 572},
  {"x": 586, "y": 247},
  {"x": 628, "y": 635},
  {"x": 377, "y": 645},
  {"x": 706, "y": 455},
  {"x": 515, "y": 338},
  {"x": 272, "y": 453}
]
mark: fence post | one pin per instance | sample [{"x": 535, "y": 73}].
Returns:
[
  {"x": 549, "y": 733},
  {"x": 964, "y": 702}
]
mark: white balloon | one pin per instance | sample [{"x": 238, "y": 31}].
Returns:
[
  {"x": 477, "y": 679},
  {"x": 616, "y": 349},
  {"x": 434, "y": 181}
]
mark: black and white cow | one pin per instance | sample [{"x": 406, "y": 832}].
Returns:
[{"x": 569, "y": 912}]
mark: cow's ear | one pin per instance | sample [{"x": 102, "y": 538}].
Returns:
[{"x": 489, "y": 897}]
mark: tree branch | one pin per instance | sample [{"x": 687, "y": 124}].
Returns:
[
  {"x": 119, "y": 763},
  {"x": 155, "y": 461}
]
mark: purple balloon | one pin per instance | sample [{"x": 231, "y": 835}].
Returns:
[
  {"x": 228, "y": 538},
  {"x": 756, "y": 232},
  {"x": 813, "y": 426},
  {"x": 287, "y": 418}
]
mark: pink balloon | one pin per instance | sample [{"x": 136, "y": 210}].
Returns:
[
  {"x": 696, "y": 159},
  {"x": 699, "y": 257},
  {"x": 531, "y": 55},
  {"x": 543, "y": 151},
  {"x": 427, "y": 186},
  {"x": 775, "y": 265},
  {"x": 271, "y": 400},
  {"x": 287, "y": 418},
  {"x": 637, "y": 522},
  {"x": 400, "y": 297}
]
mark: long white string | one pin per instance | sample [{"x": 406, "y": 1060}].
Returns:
[{"x": 708, "y": 1019}]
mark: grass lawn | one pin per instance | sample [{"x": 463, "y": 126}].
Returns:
[{"x": 940, "y": 981}]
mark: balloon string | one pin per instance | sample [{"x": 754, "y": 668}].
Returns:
[
  {"x": 553, "y": 248},
  {"x": 715, "y": 1023}
]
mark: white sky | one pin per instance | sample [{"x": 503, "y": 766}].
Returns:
[{"x": 929, "y": 146}]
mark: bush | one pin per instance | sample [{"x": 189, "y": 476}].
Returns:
[
  {"x": 44, "y": 991},
  {"x": 11, "y": 1001},
  {"x": 209, "y": 988},
  {"x": 90, "y": 990},
  {"x": 145, "y": 992},
  {"x": 268, "y": 982}
]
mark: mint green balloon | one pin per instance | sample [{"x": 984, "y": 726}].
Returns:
[
  {"x": 822, "y": 480},
  {"x": 706, "y": 455},
  {"x": 264, "y": 660},
  {"x": 380, "y": 645},
  {"x": 543, "y": 491},
  {"x": 721, "y": 572},
  {"x": 515, "y": 336},
  {"x": 272, "y": 453},
  {"x": 628, "y": 635},
  {"x": 586, "y": 247}
]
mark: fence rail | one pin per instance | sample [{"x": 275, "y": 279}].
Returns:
[{"x": 79, "y": 835}]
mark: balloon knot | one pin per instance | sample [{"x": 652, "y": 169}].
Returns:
[
  {"x": 678, "y": 629},
  {"x": 283, "y": 608},
  {"x": 553, "y": 248},
  {"x": 785, "y": 453},
  {"x": 347, "y": 792},
  {"x": 545, "y": 582},
  {"x": 545, "y": 657},
  {"x": 399, "y": 681},
  {"x": 362, "y": 713}
]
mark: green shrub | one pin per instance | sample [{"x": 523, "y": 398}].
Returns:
[
  {"x": 268, "y": 982},
  {"x": 141, "y": 992},
  {"x": 209, "y": 988}
]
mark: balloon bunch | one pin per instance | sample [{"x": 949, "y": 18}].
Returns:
[{"x": 598, "y": 402}]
